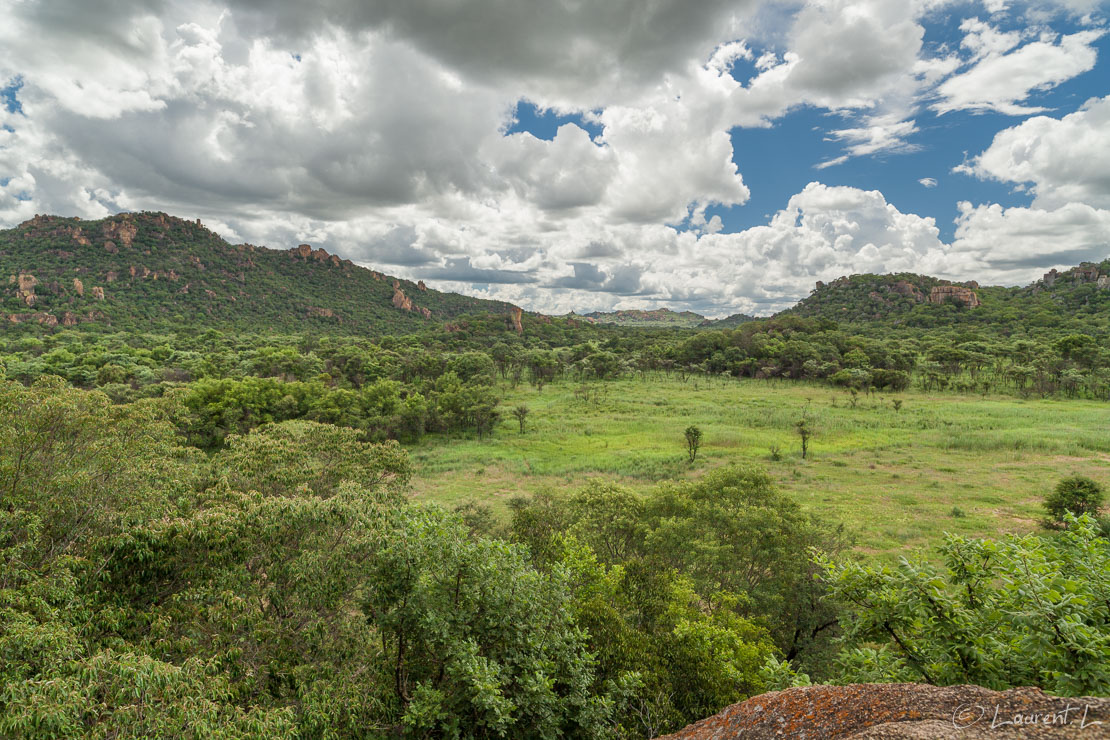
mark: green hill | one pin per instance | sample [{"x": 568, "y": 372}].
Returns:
[
  {"x": 728, "y": 322},
  {"x": 663, "y": 317},
  {"x": 1078, "y": 299},
  {"x": 152, "y": 271}
]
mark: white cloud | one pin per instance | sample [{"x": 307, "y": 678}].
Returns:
[
  {"x": 1066, "y": 159},
  {"x": 1003, "y": 77},
  {"x": 928, "y": 182},
  {"x": 1016, "y": 245},
  {"x": 376, "y": 129}
]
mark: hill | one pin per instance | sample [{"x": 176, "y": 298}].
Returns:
[
  {"x": 1078, "y": 298},
  {"x": 150, "y": 271},
  {"x": 663, "y": 317},
  {"x": 728, "y": 322}
]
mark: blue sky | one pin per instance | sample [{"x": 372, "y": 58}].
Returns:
[
  {"x": 778, "y": 160},
  {"x": 719, "y": 156}
]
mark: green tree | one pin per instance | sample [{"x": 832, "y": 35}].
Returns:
[
  {"x": 1024, "y": 611},
  {"x": 521, "y": 414},
  {"x": 1075, "y": 495},
  {"x": 693, "y": 442}
]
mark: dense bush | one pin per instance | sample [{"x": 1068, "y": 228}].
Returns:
[
  {"x": 1076, "y": 495},
  {"x": 1024, "y": 611}
]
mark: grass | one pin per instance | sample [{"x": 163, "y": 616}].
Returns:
[{"x": 896, "y": 478}]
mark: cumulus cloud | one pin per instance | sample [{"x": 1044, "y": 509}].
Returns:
[
  {"x": 1001, "y": 77},
  {"x": 928, "y": 182},
  {"x": 1015, "y": 245},
  {"x": 378, "y": 130},
  {"x": 1066, "y": 160}
]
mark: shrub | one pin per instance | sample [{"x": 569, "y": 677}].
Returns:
[{"x": 1077, "y": 495}]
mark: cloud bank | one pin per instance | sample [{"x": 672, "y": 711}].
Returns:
[{"x": 380, "y": 130}]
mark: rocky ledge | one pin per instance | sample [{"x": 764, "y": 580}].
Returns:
[{"x": 905, "y": 711}]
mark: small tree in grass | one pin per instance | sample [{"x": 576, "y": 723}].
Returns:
[
  {"x": 693, "y": 442},
  {"x": 521, "y": 413},
  {"x": 805, "y": 432},
  {"x": 1076, "y": 495}
]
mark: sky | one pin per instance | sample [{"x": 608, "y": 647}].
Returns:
[{"x": 580, "y": 155}]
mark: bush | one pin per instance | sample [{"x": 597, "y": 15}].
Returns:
[{"x": 1076, "y": 495}]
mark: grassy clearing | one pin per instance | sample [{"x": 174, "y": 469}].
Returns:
[{"x": 898, "y": 478}]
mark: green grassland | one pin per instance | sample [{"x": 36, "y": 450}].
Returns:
[{"x": 898, "y": 479}]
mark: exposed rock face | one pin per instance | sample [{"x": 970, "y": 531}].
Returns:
[
  {"x": 45, "y": 319},
  {"x": 111, "y": 248},
  {"x": 79, "y": 287},
  {"x": 516, "y": 315},
  {"x": 25, "y": 288},
  {"x": 98, "y": 292},
  {"x": 1050, "y": 277},
  {"x": 1104, "y": 282},
  {"x": 905, "y": 711},
  {"x": 421, "y": 286},
  {"x": 958, "y": 293},
  {"x": 122, "y": 231},
  {"x": 306, "y": 252},
  {"x": 909, "y": 290},
  {"x": 403, "y": 302},
  {"x": 1086, "y": 273},
  {"x": 69, "y": 319},
  {"x": 400, "y": 300}
]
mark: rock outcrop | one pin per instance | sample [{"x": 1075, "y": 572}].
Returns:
[
  {"x": 25, "y": 287},
  {"x": 45, "y": 319},
  {"x": 516, "y": 314},
  {"x": 909, "y": 290},
  {"x": 122, "y": 230},
  {"x": 420, "y": 285},
  {"x": 907, "y": 712},
  {"x": 98, "y": 292},
  {"x": 955, "y": 293},
  {"x": 79, "y": 287},
  {"x": 306, "y": 252},
  {"x": 403, "y": 302},
  {"x": 324, "y": 313}
]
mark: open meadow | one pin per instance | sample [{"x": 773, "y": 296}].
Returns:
[{"x": 898, "y": 478}]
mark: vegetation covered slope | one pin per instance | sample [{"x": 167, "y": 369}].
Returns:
[
  {"x": 150, "y": 270},
  {"x": 634, "y": 317},
  {"x": 1075, "y": 300}
]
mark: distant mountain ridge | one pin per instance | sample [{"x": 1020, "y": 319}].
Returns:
[
  {"x": 639, "y": 317},
  {"x": 921, "y": 300},
  {"x": 147, "y": 270},
  {"x": 152, "y": 271}
]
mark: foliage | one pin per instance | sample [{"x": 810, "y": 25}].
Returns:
[
  {"x": 1075, "y": 495},
  {"x": 693, "y": 442},
  {"x": 1024, "y": 611}
]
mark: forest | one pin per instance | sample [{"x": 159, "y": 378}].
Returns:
[{"x": 458, "y": 527}]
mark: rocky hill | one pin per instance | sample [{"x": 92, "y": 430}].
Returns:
[
  {"x": 150, "y": 270},
  {"x": 663, "y": 317},
  {"x": 905, "y": 711},
  {"x": 728, "y": 322},
  {"x": 1078, "y": 294}
]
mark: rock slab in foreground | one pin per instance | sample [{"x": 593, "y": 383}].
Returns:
[{"x": 905, "y": 711}]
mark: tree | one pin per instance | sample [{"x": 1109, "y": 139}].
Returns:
[
  {"x": 521, "y": 413},
  {"x": 1076, "y": 495},
  {"x": 693, "y": 442},
  {"x": 804, "y": 432},
  {"x": 1024, "y": 611}
]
